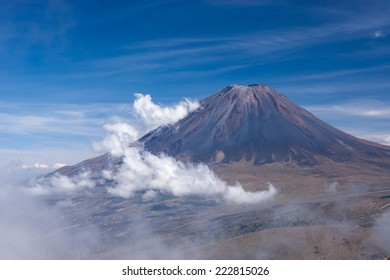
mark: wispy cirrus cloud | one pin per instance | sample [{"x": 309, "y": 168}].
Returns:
[
  {"x": 244, "y": 3},
  {"x": 361, "y": 108},
  {"x": 364, "y": 112},
  {"x": 20, "y": 118},
  {"x": 337, "y": 73},
  {"x": 378, "y": 34},
  {"x": 210, "y": 53},
  {"x": 42, "y": 24},
  {"x": 366, "y": 119},
  {"x": 50, "y": 133},
  {"x": 340, "y": 89}
]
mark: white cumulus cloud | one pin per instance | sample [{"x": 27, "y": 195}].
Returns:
[
  {"x": 150, "y": 174},
  {"x": 118, "y": 138},
  {"x": 153, "y": 115}
]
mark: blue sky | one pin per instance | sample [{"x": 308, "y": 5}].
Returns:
[{"x": 69, "y": 67}]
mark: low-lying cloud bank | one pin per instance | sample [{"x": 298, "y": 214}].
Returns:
[
  {"x": 144, "y": 172},
  {"x": 382, "y": 231},
  {"x": 17, "y": 171},
  {"x": 31, "y": 228},
  {"x": 60, "y": 184}
]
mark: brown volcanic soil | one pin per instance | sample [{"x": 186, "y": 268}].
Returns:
[
  {"x": 307, "y": 181},
  {"x": 328, "y": 211},
  {"x": 333, "y": 208},
  {"x": 301, "y": 243}
]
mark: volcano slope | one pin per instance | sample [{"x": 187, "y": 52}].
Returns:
[{"x": 333, "y": 198}]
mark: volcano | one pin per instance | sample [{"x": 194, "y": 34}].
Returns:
[
  {"x": 331, "y": 187},
  {"x": 256, "y": 123}
]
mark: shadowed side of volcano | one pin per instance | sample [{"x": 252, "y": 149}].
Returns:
[{"x": 256, "y": 123}]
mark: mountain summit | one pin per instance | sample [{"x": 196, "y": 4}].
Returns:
[{"x": 256, "y": 123}]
